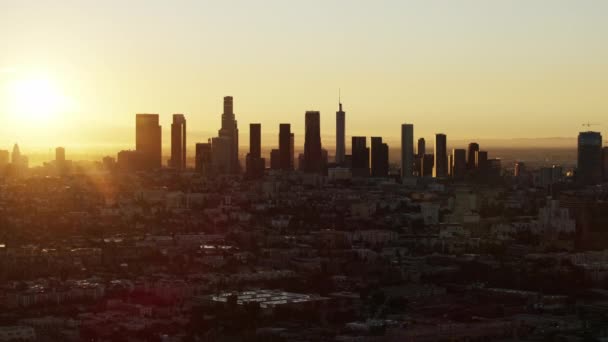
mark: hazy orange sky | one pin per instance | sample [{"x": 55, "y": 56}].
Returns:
[{"x": 74, "y": 73}]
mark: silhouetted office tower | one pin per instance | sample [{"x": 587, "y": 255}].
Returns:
[
  {"x": 441, "y": 156},
  {"x": 417, "y": 165},
  {"x": 494, "y": 168},
  {"x": 312, "y": 143},
  {"x": 481, "y": 159},
  {"x": 285, "y": 146},
  {"x": 459, "y": 162},
  {"x": 520, "y": 169},
  {"x": 292, "y": 151},
  {"x": 275, "y": 159},
  {"x": 16, "y": 155},
  {"x": 255, "y": 140},
  {"x": 421, "y": 147},
  {"x": 407, "y": 150},
  {"x": 340, "y": 135},
  {"x": 203, "y": 159},
  {"x": 60, "y": 154},
  {"x": 148, "y": 141},
  {"x": 255, "y": 164},
  {"x": 109, "y": 163},
  {"x": 178, "y": 142},
  {"x": 428, "y": 164},
  {"x": 379, "y": 158},
  {"x": 450, "y": 165},
  {"x": 4, "y": 159},
  {"x": 228, "y": 160},
  {"x": 348, "y": 161},
  {"x": 360, "y": 157},
  {"x": 605, "y": 162},
  {"x": 128, "y": 160},
  {"x": 589, "y": 163},
  {"x": 473, "y": 148},
  {"x": 221, "y": 153},
  {"x": 301, "y": 161},
  {"x": 25, "y": 162}
]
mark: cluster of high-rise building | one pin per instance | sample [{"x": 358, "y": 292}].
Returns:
[
  {"x": 14, "y": 162},
  {"x": 219, "y": 155},
  {"x": 456, "y": 164}
]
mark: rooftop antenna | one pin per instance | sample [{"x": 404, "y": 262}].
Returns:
[{"x": 589, "y": 124}]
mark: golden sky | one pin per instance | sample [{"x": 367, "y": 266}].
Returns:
[{"x": 74, "y": 73}]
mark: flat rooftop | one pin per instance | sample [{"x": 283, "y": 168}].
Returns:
[{"x": 268, "y": 298}]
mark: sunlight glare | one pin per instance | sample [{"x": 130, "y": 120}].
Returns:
[{"x": 36, "y": 99}]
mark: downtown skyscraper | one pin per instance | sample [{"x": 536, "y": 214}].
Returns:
[
  {"x": 589, "y": 159},
  {"x": 313, "y": 161},
  {"x": 472, "y": 150},
  {"x": 360, "y": 157},
  {"x": 379, "y": 157},
  {"x": 481, "y": 160},
  {"x": 255, "y": 164},
  {"x": 226, "y": 145},
  {"x": 4, "y": 160},
  {"x": 407, "y": 150},
  {"x": 340, "y": 135},
  {"x": 421, "y": 150},
  {"x": 458, "y": 165},
  {"x": 178, "y": 142},
  {"x": 292, "y": 150},
  {"x": 148, "y": 141},
  {"x": 441, "y": 157},
  {"x": 285, "y": 160},
  {"x": 16, "y": 155},
  {"x": 203, "y": 161},
  {"x": 60, "y": 155}
]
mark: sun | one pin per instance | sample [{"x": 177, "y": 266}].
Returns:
[{"x": 36, "y": 99}]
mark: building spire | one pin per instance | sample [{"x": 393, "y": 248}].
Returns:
[{"x": 339, "y": 99}]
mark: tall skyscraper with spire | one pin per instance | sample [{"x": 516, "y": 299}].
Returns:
[
  {"x": 178, "y": 142},
  {"x": 340, "y": 134},
  {"x": 226, "y": 159}
]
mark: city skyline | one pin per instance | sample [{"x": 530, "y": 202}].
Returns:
[
  {"x": 166, "y": 147},
  {"x": 474, "y": 66},
  {"x": 344, "y": 170}
]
